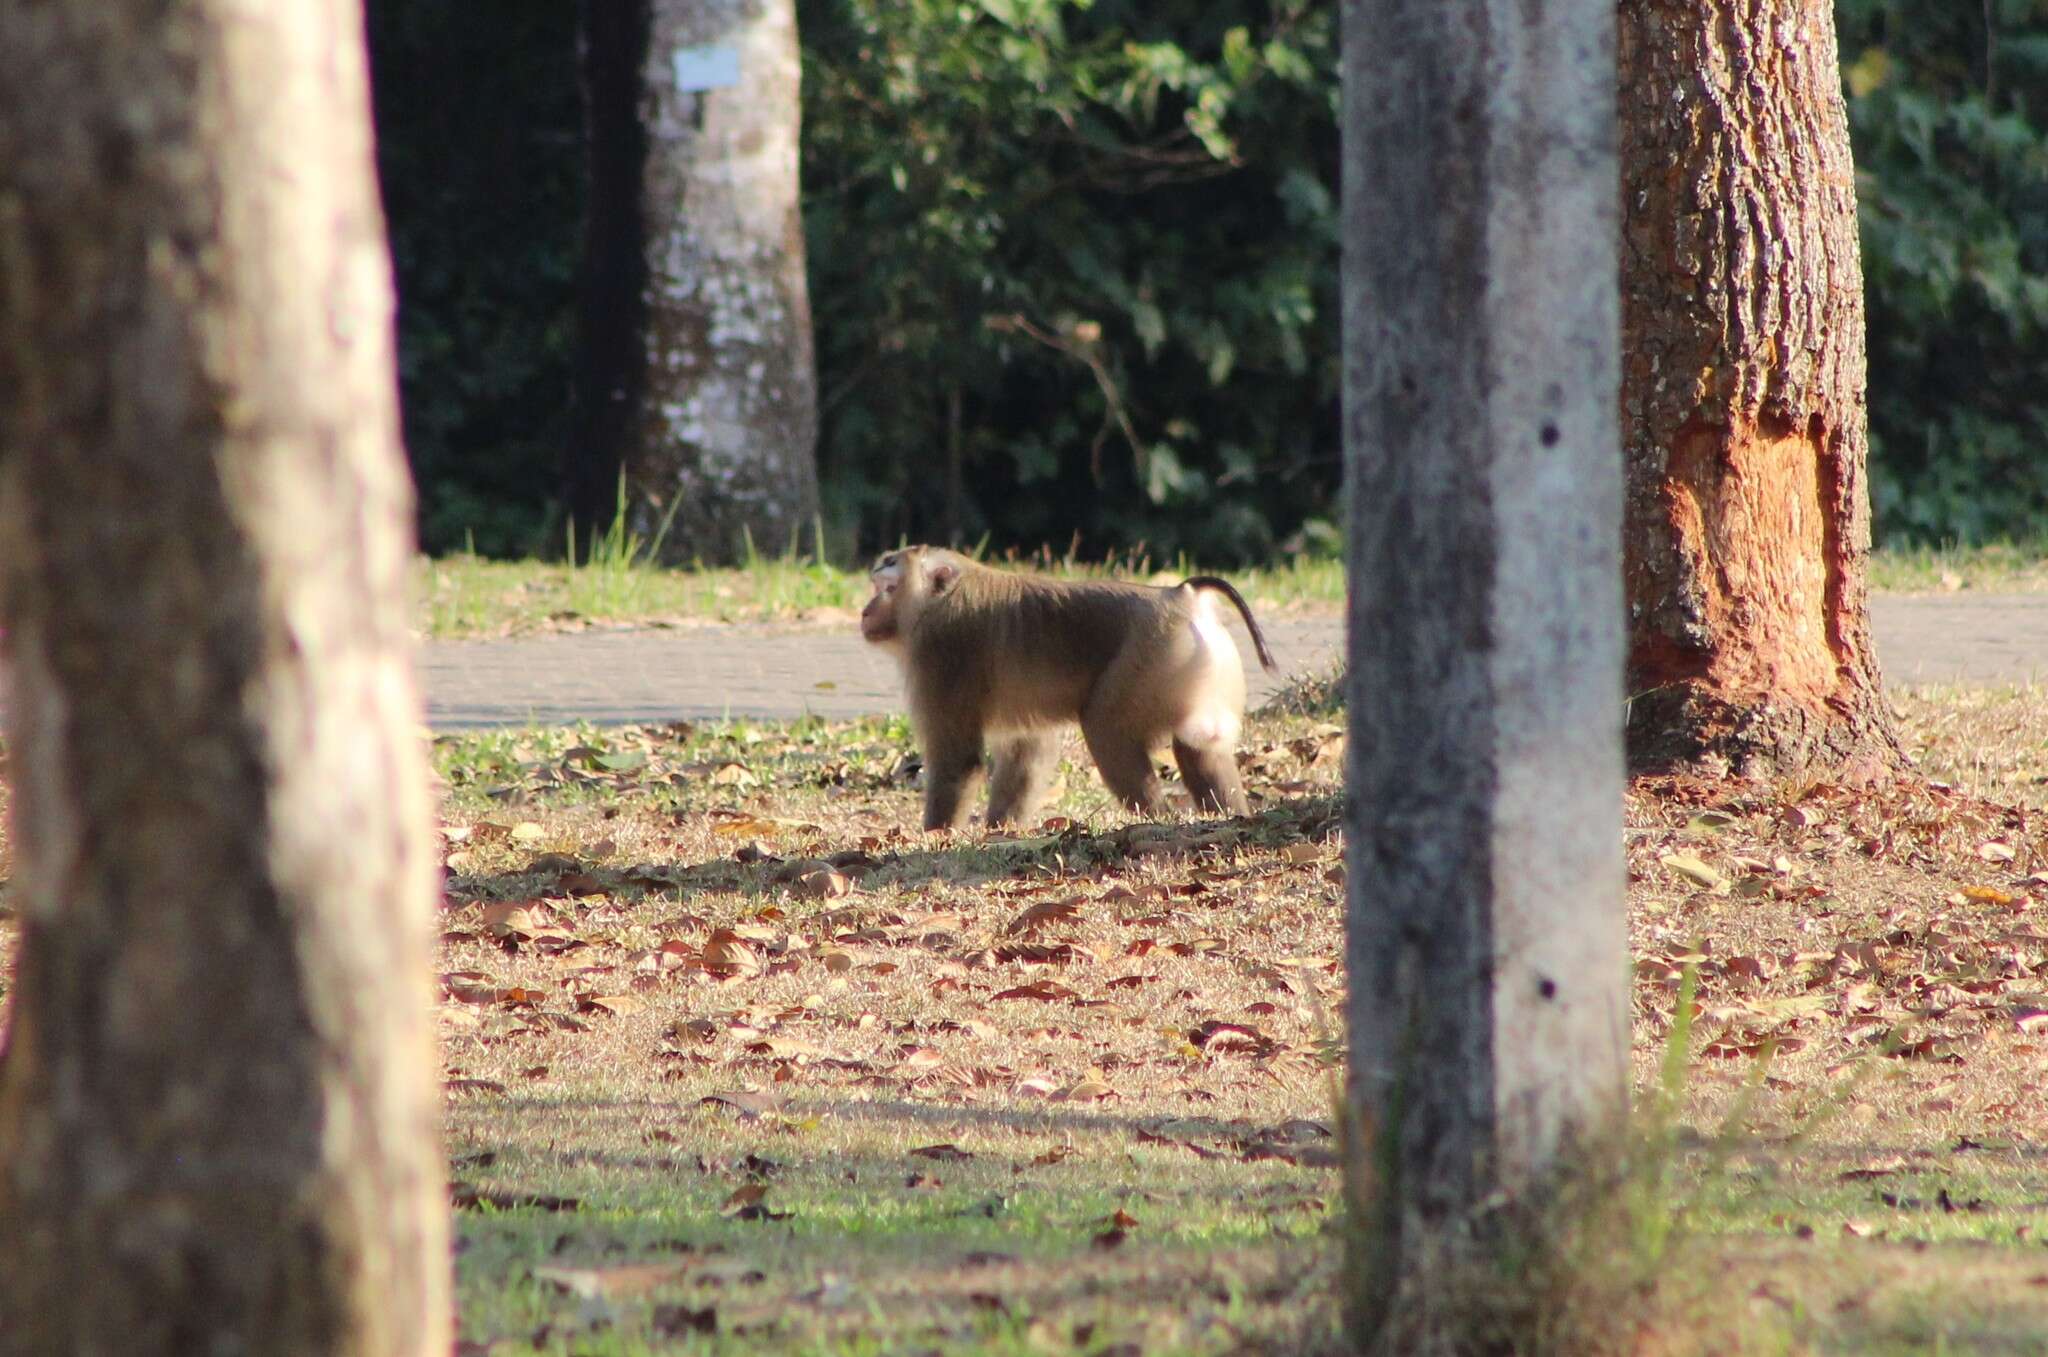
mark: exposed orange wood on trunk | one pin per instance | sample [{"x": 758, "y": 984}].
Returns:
[{"x": 1747, "y": 515}]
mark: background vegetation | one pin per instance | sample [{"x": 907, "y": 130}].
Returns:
[
  {"x": 1074, "y": 265},
  {"x": 479, "y": 149},
  {"x": 1949, "y": 112}
]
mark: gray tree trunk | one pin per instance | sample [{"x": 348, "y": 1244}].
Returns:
[
  {"x": 1486, "y": 945},
  {"x": 698, "y": 376},
  {"x": 217, "y": 1101}
]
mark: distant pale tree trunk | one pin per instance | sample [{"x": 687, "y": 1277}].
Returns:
[
  {"x": 696, "y": 376},
  {"x": 217, "y": 1101},
  {"x": 1743, "y": 399},
  {"x": 1486, "y": 950}
]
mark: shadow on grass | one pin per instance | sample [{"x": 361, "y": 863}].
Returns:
[
  {"x": 961, "y": 860},
  {"x": 1052, "y": 1120}
]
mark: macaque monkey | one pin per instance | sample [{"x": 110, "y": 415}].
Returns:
[{"x": 991, "y": 656}]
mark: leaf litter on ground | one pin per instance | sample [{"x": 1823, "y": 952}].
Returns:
[
  {"x": 668, "y": 952},
  {"x": 821, "y": 980}
]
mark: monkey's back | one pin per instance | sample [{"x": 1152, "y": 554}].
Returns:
[{"x": 1015, "y": 650}]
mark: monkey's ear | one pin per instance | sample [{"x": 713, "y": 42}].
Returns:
[{"x": 944, "y": 576}]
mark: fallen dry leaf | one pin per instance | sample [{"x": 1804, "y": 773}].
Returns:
[
  {"x": 1694, "y": 870},
  {"x": 1229, "y": 1038},
  {"x": 725, "y": 950},
  {"x": 947, "y": 1151},
  {"x": 1045, "y": 991},
  {"x": 824, "y": 884},
  {"x": 615, "y": 1280},
  {"x": 748, "y": 1104},
  {"x": 672, "y": 1321},
  {"x": 466, "y": 1197},
  {"x": 1043, "y": 914},
  {"x": 1093, "y": 1088}
]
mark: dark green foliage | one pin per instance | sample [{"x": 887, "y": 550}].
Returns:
[
  {"x": 479, "y": 153},
  {"x": 1074, "y": 268},
  {"x": 1952, "y": 156}
]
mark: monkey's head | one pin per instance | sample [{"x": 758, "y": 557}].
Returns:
[{"x": 905, "y": 581}]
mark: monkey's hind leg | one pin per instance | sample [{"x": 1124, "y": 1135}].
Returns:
[
  {"x": 1023, "y": 770},
  {"x": 1125, "y": 764},
  {"x": 1211, "y": 775}
]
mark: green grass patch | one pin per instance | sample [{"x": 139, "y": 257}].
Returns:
[
  {"x": 459, "y": 596},
  {"x": 1995, "y": 567},
  {"x": 468, "y": 596}
]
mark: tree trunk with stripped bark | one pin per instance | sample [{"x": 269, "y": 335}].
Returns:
[{"x": 1743, "y": 420}]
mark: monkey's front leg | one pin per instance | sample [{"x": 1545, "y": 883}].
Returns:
[{"x": 952, "y": 776}]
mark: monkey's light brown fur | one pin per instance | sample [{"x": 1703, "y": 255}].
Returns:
[{"x": 994, "y": 662}]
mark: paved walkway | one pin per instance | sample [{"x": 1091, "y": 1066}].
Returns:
[
  {"x": 699, "y": 673},
  {"x": 703, "y": 673},
  {"x": 1962, "y": 638}
]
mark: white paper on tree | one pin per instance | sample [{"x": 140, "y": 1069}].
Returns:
[{"x": 707, "y": 68}]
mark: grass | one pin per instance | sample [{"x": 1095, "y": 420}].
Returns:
[
  {"x": 467, "y": 596},
  {"x": 1875, "y": 949},
  {"x": 1990, "y": 741},
  {"x": 738, "y": 1062},
  {"x": 615, "y": 585},
  {"x": 1997, "y": 567},
  {"x": 739, "y": 914},
  {"x": 740, "y": 999}
]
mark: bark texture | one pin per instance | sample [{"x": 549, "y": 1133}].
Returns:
[
  {"x": 1485, "y": 946},
  {"x": 217, "y": 1101},
  {"x": 1743, "y": 418},
  {"x": 707, "y": 372}
]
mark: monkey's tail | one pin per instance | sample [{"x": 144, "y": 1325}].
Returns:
[{"x": 1251, "y": 624}]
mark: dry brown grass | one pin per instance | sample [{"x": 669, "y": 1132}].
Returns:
[{"x": 1991, "y": 742}]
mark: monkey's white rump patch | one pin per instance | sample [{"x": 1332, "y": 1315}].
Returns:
[
  {"x": 1210, "y": 633},
  {"x": 1213, "y": 721}
]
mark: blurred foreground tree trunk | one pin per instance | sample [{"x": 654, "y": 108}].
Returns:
[
  {"x": 695, "y": 376},
  {"x": 1743, "y": 399},
  {"x": 1488, "y": 1018},
  {"x": 217, "y": 1101}
]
